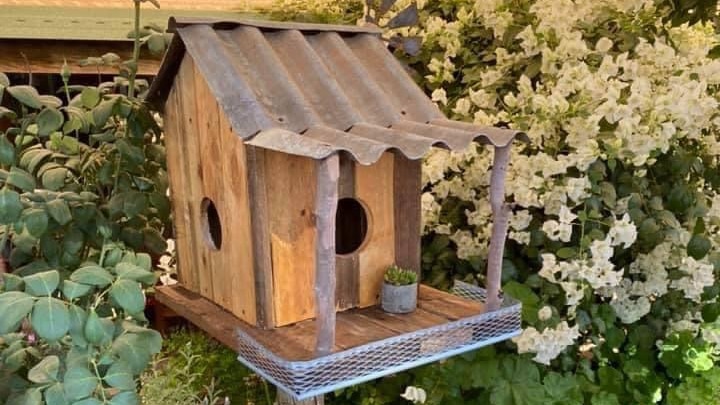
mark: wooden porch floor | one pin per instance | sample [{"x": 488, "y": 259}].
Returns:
[{"x": 296, "y": 342}]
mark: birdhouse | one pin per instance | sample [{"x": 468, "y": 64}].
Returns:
[{"x": 294, "y": 162}]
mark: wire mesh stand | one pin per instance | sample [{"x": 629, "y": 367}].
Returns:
[{"x": 305, "y": 379}]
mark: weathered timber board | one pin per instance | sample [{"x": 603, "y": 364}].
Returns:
[
  {"x": 297, "y": 342},
  {"x": 374, "y": 188},
  {"x": 408, "y": 221},
  {"x": 290, "y": 187},
  {"x": 347, "y": 266}
]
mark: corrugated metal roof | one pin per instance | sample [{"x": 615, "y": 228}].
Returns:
[{"x": 313, "y": 90}]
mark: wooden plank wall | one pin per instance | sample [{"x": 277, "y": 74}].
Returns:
[
  {"x": 374, "y": 186},
  {"x": 408, "y": 212},
  {"x": 290, "y": 188},
  {"x": 207, "y": 160}
]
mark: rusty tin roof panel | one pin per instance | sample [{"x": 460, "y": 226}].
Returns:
[{"x": 313, "y": 90}]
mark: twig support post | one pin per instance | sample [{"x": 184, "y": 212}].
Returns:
[{"x": 501, "y": 214}]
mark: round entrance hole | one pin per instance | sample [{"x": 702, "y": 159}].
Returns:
[
  {"x": 351, "y": 226},
  {"x": 211, "y": 224}
]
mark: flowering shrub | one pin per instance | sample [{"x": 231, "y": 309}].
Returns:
[{"x": 613, "y": 239}]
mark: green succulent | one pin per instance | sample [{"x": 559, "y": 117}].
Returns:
[{"x": 398, "y": 276}]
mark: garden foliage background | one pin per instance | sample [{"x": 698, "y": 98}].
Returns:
[{"x": 613, "y": 244}]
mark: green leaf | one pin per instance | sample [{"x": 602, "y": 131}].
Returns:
[
  {"x": 698, "y": 246},
  {"x": 101, "y": 113},
  {"x": 605, "y": 398},
  {"x": 55, "y": 395},
  {"x": 54, "y": 179},
  {"x": 711, "y": 312},
  {"x": 90, "y": 97},
  {"x": 88, "y": 401},
  {"x": 519, "y": 385},
  {"x": 97, "y": 330},
  {"x": 42, "y": 284},
  {"x": 72, "y": 290},
  {"x": 125, "y": 398},
  {"x": 129, "y": 295},
  {"x": 49, "y": 120},
  {"x": 79, "y": 383},
  {"x": 563, "y": 390},
  {"x": 133, "y": 348},
  {"x": 50, "y": 318},
  {"x": 45, "y": 371},
  {"x": 59, "y": 211},
  {"x": 21, "y": 179},
  {"x": 26, "y": 95},
  {"x": 130, "y": 271},
  {"x": 36, "y": 221},
  {"x": 120, "y": 376},
  {"x": 7, "y": 151},
  {"x": 50, "y": 101},
  {"x": 92, "y": 275},
  {"x": 14, "y": 306},
  {"x": 11, "y": 282},
  {"x": 154, "y": 241},
  {"x": 132, "y": 153},
  {"x": 156, "y": 44},
  {"x": 10, "y": 206},
  {"x": 78, "y": 317},
  {"x": 566, "y": 253},
  {"x": 32, "y": 396}
]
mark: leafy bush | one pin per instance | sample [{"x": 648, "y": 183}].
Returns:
[
  {"x": 191, "y": 353},
  {"x": 83, "y": 209},
  {"x": 613, "y": 247}
]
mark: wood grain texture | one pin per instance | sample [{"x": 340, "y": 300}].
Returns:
[
  {"x": 326, "y": 200},
  {"x": 347, "y": 266},
  {"x": 408, "y": 214},
  {"x": 297, "y": 342},
  {"x": 187, "y": 190},
  {"x": 290, "y": 187},
  {"x": 374, "y": 187},
  {"x": 190, "y": 154},
  {"x": 224, "y": 182},
  {"x": 237, "y": 263},
  {"x": 209, "y": 161},
  {"x": 262, "y": 261},
  {"x": 177, "y": 173},
  {"x": 210, "y": 187}
]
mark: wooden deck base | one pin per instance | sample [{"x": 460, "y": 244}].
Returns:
[{"x": 296, "y": 342}]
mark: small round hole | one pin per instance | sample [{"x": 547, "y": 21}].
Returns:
[
  {"x": 351, "y": 226},
  {"x": 212, "y": 228}
]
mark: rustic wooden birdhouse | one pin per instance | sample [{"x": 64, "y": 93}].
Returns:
[{"x": 294, "y": 160}]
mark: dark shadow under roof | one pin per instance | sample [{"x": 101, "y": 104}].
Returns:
[{"x": 312, "y": 90}]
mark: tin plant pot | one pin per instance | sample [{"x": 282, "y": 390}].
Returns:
[{"x": 399, "y": 299}]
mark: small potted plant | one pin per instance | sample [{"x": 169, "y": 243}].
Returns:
[{"x": 399, "y": 292}]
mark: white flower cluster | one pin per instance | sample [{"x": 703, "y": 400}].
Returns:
[
  {"x": 588, "y": 102},
  {"x": 596, "y": 271},
  {"x": 549, "y": 343},
  {"x": 698, "y": 275},
  {"x": 416, "y": 395}
]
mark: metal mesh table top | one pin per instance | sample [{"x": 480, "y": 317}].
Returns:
[{"x": 307, "y": 378}]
